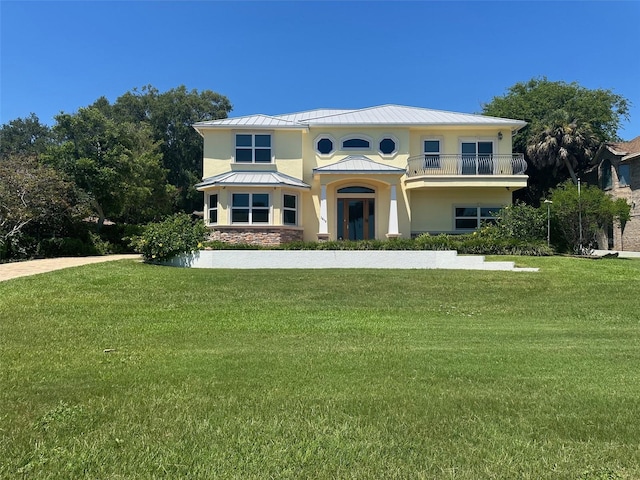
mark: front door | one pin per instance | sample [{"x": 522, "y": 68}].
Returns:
[{"x": 356, "y": 218}]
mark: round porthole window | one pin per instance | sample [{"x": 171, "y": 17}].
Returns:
[
  {"x": 324, "y": 146},
  {"x": 387, "y": 146}
]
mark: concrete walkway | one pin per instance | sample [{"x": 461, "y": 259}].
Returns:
[{"x": 33, "y": 267}]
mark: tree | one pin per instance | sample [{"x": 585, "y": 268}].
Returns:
[
  {"x": 116, "y": 163},
  {"x": 563, "y": 143},
  {"x": 33, "y": 197},
  {"x": 24, "y": 136},
  {"x": 171, "y": 115},
  {"x": 562, "y": 111},
  {"x": 579, "y": 216}
]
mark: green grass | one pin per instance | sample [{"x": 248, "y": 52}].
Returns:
[{"x": 322, "y": 374}]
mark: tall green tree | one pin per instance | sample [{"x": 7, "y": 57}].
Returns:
[
  {"x": 25, "y": 136},
  {"x": 117, "y": 163},
  {"x": 565, "y": 120},
  {"x": 170, "y": 115}
]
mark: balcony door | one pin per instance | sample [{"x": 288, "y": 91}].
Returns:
[{"x": 477, "y": 158}]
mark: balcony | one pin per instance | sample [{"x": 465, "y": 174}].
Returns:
[{"x": 428, "y": 165}]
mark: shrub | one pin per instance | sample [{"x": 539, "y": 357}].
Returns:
[
  {"x": 176, "y": 234},
  {"x": 472, "y": 243},
  {"x": 520, "y": 221}
]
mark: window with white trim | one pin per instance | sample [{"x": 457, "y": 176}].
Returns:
[
  {"x": 325, "y": 145},
  {"x": 213, "y": 208},
  {"x": 289, "y": 209},
  {"x": 253, "y": 148},
  {"x": 431, "y": 150},
  {"x": 356, "y": 142},
  {"x": 470, "y": 218},
  {"x": 250, "y": 208},
  {"x": 388, "y": 145}
]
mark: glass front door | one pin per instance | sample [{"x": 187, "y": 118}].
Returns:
[{"x": 356, "y": 218}]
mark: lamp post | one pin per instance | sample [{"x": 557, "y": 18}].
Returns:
[{"x": 548, "y": 202}]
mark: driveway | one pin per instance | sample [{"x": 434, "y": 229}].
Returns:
[{"x": 33, "y": 267}]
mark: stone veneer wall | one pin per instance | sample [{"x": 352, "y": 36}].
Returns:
[
  {"x": 255, "y": 236},
  {"x": 630, "y": 241}
]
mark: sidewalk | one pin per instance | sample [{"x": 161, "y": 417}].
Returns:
[
  {"x": 33, "y": 267},
  {"x": 621, "y": 254}
]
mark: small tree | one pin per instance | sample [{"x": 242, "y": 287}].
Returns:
[{"x": 579, "y": 216}]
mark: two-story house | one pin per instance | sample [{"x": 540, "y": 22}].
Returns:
[
  {"x": 619, "y": 175},
  {"x": 372, "y": 173}
]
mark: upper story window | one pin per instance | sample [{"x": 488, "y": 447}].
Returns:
[
  {"x": 606, "y": 181},
  {"x": 325, "y": 144},
  {"x": 388, "y": 145},
  {"x": 356, "y": 143},
  {"x": 624, "y": 175},
  {"x": 477, "y": 157},
  {"x": 431, "y": 149},
  {"x": 253, "y": 148}
]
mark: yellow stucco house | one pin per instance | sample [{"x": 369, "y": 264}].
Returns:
[{"x": 371, "y": 173}]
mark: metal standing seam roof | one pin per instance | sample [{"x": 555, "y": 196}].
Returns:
[
  {"x": 383, "y": 115},
  {"x": 268, "y": 179},
  {"x": 252, "y": 121},
  {"x": 358, "y": 164}
]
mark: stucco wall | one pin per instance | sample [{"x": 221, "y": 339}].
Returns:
[{"x": 433, "y": 210}]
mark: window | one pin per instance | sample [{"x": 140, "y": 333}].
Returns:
[
  {"x": 213, "y": 208},
  {"x": 253, "y": 148},
  {"x": 624, "y": 175},
  {"x": 356, "y": 143},
  {"x": 432, "y": 154},
  {"x": 606, "y": 181},
  {"x": 324, "y": 146},
  {"x": 477, "y": 158},
  {"x": 290, "y": 210},
  {"x": 250, "y": 208},
  {"x": 388, "y": 146},
  {"x": 356, "y": 190},
  {"x": 470, "y": 218}
]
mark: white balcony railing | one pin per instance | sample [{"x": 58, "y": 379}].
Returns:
[{"x": 446, "y": 164}]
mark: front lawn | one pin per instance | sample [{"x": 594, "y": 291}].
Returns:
[{"x": 127, "y": 370}]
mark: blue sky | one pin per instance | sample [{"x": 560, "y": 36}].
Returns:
[{"x": 278, "y": 57}]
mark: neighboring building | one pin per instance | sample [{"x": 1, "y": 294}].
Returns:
[
  {"x": 619, "y": 175},
  {"x": 378, "y": 172}
]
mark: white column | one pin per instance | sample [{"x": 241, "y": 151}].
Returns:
[
  {"x": 324, "y": 229},
  {"x": 393, "y": 214}
]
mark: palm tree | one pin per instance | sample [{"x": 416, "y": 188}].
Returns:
[{"x": 562, "y": 142}]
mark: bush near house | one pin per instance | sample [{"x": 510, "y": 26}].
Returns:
[{"x": 176, "y": 234}]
